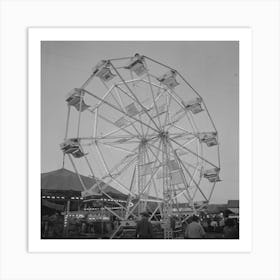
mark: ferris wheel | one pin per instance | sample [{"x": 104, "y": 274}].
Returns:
[{"x": 139, "y": 126}]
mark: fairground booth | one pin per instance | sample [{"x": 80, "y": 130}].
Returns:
[{"x": 65, "y": 212}]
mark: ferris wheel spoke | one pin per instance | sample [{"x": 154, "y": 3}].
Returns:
[
  {"x": 141, "y": 125},
  {"x": 196, "y": 189},
  {"x": 156, "y": 148},
  {"x": 190, "y": 151},
  {"x": 176, "y": 135},
  {"x": 119, "y": 170},
  {"x": 175, "y": 197},
  {"x": 191, "y": 122},
  {"x": 119, "y": 129},
  {"x": 80, "y": 113},
  {"x": 152, "y": 106},
  {"x": 179, "y": 101},
  {"x": 123, "y": 108},
  {"x": 180, "y": 128},
  {"x": 67, "y": 121},
  {"x": 189, "y": 174},
  {"x": 121, "y": 111},
  {"x": 167, "y": 115},
  {"x": 122, "y": 142},
  {"x": 121, "y": 185},
  {"x": 100, "y": 154},
  {"x": 111, "y": 179},
  {"x": 134, "y": 100},
  {"x": 133, "y": 208},
  {"x": 140, "y": 113},
  {"x": 124, "y": 129},
  {"x": 212, "y": 190},
  {"x": 154, "y": 171},
  {"x": 154, "y": 101},
  {"x": 76, "y": 170},
  {"x": 132, "y": 182},
  {"x": 88, "y": 141},
  {"x": 133, "y": 81},
  {"x": 146, "y": 186},
  {"x": 153, "y": 84},
  {"x": 196, "y": 92},
  {"x": 153, "y": 179},
  {"x": 190, "y": 165},
  {"x": 148, "y": 129},
  {"x": 181, "y": 172},
  {"x": 180, "y": 112},
  {"x": 194, "y": 193},
  {"x": 176, "y": 98},
  {"x": 117, "y": 148},
  {"x": 161, "y": 90},
  {"x": 187, "y": 142},
  {"x": 87, "y": 162},
  {"x": 158, "y": 151},
  {"x": 128, "y": 159},
  {"x": 184, "y": 112},
  {"x": 138, "y": 101},
  {"x": 122, "y": 165},
  {"x": 172, "y": 122},
  {"x": 109, "y": 172},
  {"x": 100, "y": 99},
  {"x": 119, "y": 96},
  {"x": 114, "y": 132}
]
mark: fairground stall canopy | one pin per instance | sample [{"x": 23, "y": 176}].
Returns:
[{"x": 62, "y": 185}]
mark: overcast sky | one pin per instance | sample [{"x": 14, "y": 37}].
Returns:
[{"x": 212, "y": 68}]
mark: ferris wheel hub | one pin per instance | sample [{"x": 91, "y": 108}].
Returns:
[
  {"x": 143, "y": 141},
  {"x": 163, "y": 134}
]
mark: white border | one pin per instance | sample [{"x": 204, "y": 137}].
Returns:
[{"x": 243, "y": 35}]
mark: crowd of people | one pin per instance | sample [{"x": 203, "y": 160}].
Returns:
[
  {"x": 227, "y": 228},
  {"x": 192, "y": 227},
  {"x": 54, "y": 226}
]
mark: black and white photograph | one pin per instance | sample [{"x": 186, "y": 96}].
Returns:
[{"x": 140, "y": 140}]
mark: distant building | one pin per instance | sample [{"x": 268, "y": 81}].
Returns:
[
  {"x": 216, "y": 208},
  {"x": 233, "y": 206}
]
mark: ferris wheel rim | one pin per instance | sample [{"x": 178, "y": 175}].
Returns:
[{"x": 158, "y": 128}]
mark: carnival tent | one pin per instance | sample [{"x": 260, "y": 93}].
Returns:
[
  {"x": 64, "y": 180},
  {"x": 108, "y": 189}
]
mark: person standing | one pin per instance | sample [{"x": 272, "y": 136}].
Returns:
[
  {"x": 205, "y": 225},
  {"x": 144, "y": 229},
  {"x": 194, "y": 229},
  {"x": 230, "y": 230},
  {"x": 214, "y": 225},
  {"x": 173, "y": 225}
]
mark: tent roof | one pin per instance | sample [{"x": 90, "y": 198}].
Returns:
[
  {"x": 234, "y": 210},
  {"x": 66, "y": 180},
  {"x": 108, "y": 189},
  {"x": 63, "y": 179}
]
